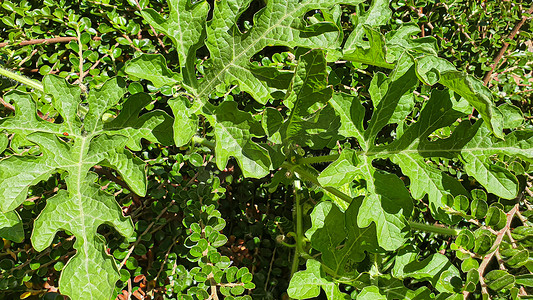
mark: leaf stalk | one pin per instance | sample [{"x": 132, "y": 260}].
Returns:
[
  {"x": 24, "y": 80},
  {"x": 318, "y": 159}
]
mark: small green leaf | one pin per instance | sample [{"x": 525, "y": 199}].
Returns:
[
  {"x": 479, "y": 208},
  {"x": 525, "y": 280},
  {"x": 469, "y": 264},
  {"x": 497, "y": 280}
]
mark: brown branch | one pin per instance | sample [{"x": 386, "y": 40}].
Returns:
[
  {"x": 7, "y": 105},
  {"x": 153, "y": 30},
  {"x": 103, "y": 171},
  {"x": 63, "y": 39},
  {"x": 496, "y": 245},
  {"x": 488, "y": 76}
]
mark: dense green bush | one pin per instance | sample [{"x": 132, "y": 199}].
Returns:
[{"x": 237, "y": 149}]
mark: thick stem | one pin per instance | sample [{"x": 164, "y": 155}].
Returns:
[
  {"x": 29, "y": 82},
  {"x": 304, "y": 174},
  {"x": 318, "y": 159},
  {"x": 433, "y": 229},
  {"x": 299, "y": 228},
  {"x": 203, "y": 142}
]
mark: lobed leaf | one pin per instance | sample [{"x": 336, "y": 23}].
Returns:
[{"x": 75, "y": 146}]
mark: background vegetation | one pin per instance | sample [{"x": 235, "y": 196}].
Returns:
[{"x": 252, "y": 219}]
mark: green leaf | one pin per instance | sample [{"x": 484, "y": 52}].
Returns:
[
  {"x": 280, "y": 23},
  {"x": 476, "y": 153},
  {"x": 91, "y": 266},
  {"x": 152, "y": 67},
  {"x": 374, "y": 54},
  {"x": 525, "y": 280},
  {"x": 377, "y": 14},
  {"x": 430, "y": 268},
  {"x": 497, "y": 280},
  {"x": 307, "y": 284},
  {"x": 513, "y": 115},
  {"x": 388, "y": 204},
  {"x": 341, "y": 171},
  {"x": 75, "y": 146},
  {"x": 234, "y": 130},
  {"x": 155, "y": 126},
  {"x": 371, "y": 293},
  {"x": 351, "y": 113},
  {"x": 432, "y": 69},
  {"x": 272, "y": 26},
  {"x": 272, "y": 121},
  {"x": 185, "y": 121},
  {"x": 402, "y": 40},
  {"x": 4, "y": 142},
  {"x": 185, "y": 27},
  {"x": 338, "y": 236},
  {"x": 11, "y": 227},
  {"x": 311, "y": 121}
]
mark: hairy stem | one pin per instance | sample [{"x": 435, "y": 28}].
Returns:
[
  {"x": 433, "y": 229},
  {"x": 318, "y": 159},
  {"x": 299, "y": 228},
  {"x": 307, "y": 175},
  {"x": 304, "y": 174},
  {"x": 27, "y": 81}
]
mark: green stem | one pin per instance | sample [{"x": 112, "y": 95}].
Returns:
[
  {"x": 29, "y": 82},
  {"x": 299, "y": 229},
  {"x": 317, "y": 159},
  {"x": 203, "y": 142},
  {"x": 306, "y": 175},
  {"x": 433, "y": 229}
]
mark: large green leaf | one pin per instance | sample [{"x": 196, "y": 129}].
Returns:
[
  {"x": 432, "y": 69},
  {"x": 307, "y": 284},
  {"x": 75, "y": 146},
  {"x": 185, "y": 26},
  {"x": 387, "y": 202},
  {"x": 312, "y": 122},
  {"x": 280, "y": 23},
  {"x": 339, "y": 238},
  {"x": 431, "y": 268},
  {"x": 234, "y": 130}
]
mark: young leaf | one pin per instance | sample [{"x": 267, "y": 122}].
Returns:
[{"x": 185, "y": 26}]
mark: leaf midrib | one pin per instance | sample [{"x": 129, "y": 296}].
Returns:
[{"x": 79, "y": 174}]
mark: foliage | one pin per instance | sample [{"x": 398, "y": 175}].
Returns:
[{"x": 330, "y": 149}]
